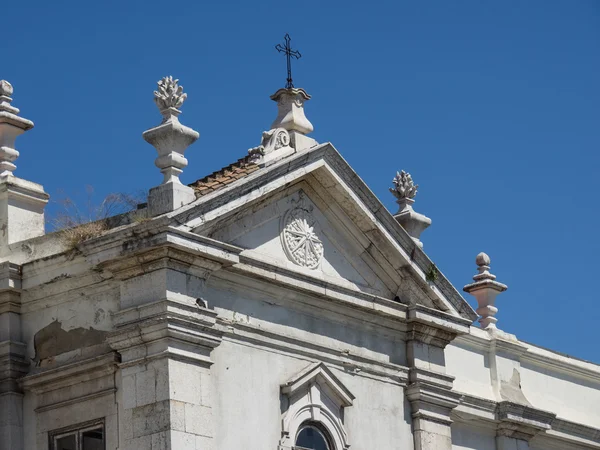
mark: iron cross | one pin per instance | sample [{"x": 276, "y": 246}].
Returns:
[{"x": 288, "y": 53}]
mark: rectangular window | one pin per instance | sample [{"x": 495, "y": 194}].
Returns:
[{"x": 88, "y": 436}]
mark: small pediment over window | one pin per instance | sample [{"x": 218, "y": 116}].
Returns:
[
  {"x": 318, "y": 373},
  {"x": 315, "y": 398}
]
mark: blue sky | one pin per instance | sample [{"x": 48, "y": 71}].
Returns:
[{"x": 493, "y": 107}]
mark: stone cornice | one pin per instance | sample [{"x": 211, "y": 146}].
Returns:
[
  {"x": 70, "y": 374},
  {"x": 561, "y": 364},
  {"x": 342, "y": 295},
  {"x": 528, "y": 353},
  {"x": 431, "y": 402},
  {"x": 523, "y": 421},
  {"x": 248, "y": 334},
  {"x": 434, "y": 327},
  {"x": 10, "y": 288},
  {"x": 169, "y": 247},
  {"x": 430, "y": 378},
  {"x": 571, "y": 431},
  {"x": 166, "y": 328},
  {"x": 13, "y": 365},
  {"x": 129, "y": 254}
]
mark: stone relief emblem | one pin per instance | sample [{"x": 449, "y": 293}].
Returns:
[
  {"x": 271, "y": 140},
  {"x": 300, "y": 242}
]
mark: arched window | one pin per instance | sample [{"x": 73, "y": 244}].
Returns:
[{"x": 314, "y": 437}]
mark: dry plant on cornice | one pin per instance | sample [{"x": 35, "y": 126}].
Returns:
[{"x": 77, "y": 225}]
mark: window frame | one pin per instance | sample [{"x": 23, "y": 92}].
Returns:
[
  {"x": 77, "y": 430},
  {"x": 321, "y": 429}
]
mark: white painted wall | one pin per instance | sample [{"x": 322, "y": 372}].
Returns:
[
  {"x": 471, "y": 368},
  {"x": 247, "y": 380}
]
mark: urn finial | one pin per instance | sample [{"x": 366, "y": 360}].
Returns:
[
  {"x": 169, "y": 97},
  {"x": 22, "y": 202},
  {"x": 171, "y": 139},
  {"x": 405, "y": 191},
  {"x": 485, "y": 289},
  {"x": 404, "y": 187},
  {"x": 11, "y": 126}
]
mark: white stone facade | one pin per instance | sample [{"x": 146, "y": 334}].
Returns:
[{"x": 289, "y": 296}]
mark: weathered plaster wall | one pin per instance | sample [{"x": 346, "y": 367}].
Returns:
[{"x": 66, "y": 311}]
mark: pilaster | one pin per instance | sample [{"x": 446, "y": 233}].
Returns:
[
  {"x": 430, "y": 389},
  {"x": 13, "y": 357},
  {"x": 165, "y": 335}
]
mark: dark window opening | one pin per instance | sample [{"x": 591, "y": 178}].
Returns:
[
  {"x": 90, "y": 437},
  {"x": 312, "y": 436}
]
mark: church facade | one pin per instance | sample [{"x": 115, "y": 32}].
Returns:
[{"x": 275, "y": 304}]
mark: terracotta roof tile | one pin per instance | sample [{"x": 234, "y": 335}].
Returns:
[{"x": 221, "y": 178}]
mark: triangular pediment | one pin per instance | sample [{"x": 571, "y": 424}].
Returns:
[
  {"x": 293, "y": 231},
  {"x": 310, "y": 214},
  {"x": 318, "y": 374}
]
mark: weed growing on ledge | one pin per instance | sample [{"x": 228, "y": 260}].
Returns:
[
  {"x": 432, "y": 273},
  {"x": 77, "y": 225}
]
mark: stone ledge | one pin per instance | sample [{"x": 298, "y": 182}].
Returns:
[
  {"x": 70, "y": 374},
  {"x": 72, "y": 401},
  {"x": 432, "y": 403},
  {"x": 521, "y": 421},
  {"x": 167, "y": 334},
  {"x": 491, "y": 414},
  {"x": 247, "y": 334}
]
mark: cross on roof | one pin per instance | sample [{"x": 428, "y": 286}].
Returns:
[{"x": 288, "y": 53}]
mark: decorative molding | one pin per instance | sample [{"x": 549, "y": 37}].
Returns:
[
  {"x": 521, "y": 421},
  {"x": 434, "y": 327},
  {"x": 167, "y": 329},
  {"x": 14, "y": 364},
  {"x": 70, "y": 374},
  {"x": 73, "y": 401},
  {"x": 319, "y": 373},
  {"x": 301, "y": 244},
  {"x": 274, "y": 145},
  {"x": 577, "y": 430},
  {"x": 315, "y": 394},
  {"x": 524, "y": 422},
  {"x": 556, "y": 362},
  {"x": 431, "y": 402}
]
